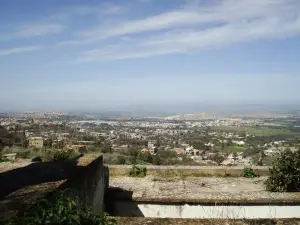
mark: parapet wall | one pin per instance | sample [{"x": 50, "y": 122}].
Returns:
[
  {"x": 169, "y": 221},
  {"x": 185, "y": 171},
  {"x": 89, "y": 185}
]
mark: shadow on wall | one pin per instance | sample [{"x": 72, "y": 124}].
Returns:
[
  {"x": 37, "y": 173},
  {"x": 119, "y": 202}
]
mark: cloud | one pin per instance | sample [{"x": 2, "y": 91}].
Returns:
[
  {"x": 33, "y": 30},
  {"x": 18, "y": 50},
  {"x": 191, "y": 29},
  {"x": 223, "y": 12},
  {"x": 103, "y": 9}
]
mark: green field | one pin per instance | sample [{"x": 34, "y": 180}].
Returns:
[
  {"x": 260, "y": 131},
  {"x": 234, "y": 148}
]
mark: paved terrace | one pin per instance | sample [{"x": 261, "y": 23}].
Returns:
[{"x": 210, "y": 190}]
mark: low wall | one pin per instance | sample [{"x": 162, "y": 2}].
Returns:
[
  {"x": 169, "y": 221},
  {"x": 89, "y": 185},
  {"x": 124, "y": 208},
  {"x": 185, "y": 171}
]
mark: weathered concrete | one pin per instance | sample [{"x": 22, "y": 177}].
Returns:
[
  {"x": 185, "y": 171},
  {"x": 210, "y": 190},
  {"x": 152, "y": 210},
  {"x": 85, "y": 178},
  {"x": 170, "y": 221},
  {"x": 88, "y": 186}
]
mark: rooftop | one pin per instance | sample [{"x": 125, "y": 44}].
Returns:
[{"x": 201, "y": 190}]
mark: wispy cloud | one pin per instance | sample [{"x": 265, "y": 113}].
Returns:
[
  {"x": 33, "y": 30},
  {"x": 103, "y": 9},
  {"x": 18, "y": 50},
  {"x": 223, "y": 12},
  {"x": 190, "y": 29}
]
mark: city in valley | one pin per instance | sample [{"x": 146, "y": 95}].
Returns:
[{"x": 187, "y": 139}]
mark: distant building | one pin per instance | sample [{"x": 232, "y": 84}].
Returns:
[
  {"x": 152, "y": 151},
  {"x": 36, "y": 142},
  {"x": 78, "y": 148}
]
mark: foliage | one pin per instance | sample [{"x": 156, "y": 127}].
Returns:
[
  {"x": 61, "y": 210},
  {"x": 146, "y": 157},
  {"x": 137, "y": 171},
  {"x": 133, "y": 152},
  {"x": 156, "y": 160},
  {"x": 285, "y": 172},
  {"x": 25, "y": 154},
  {"x": 251, "y": 151},
  {"x": 121, "y": 160},
  {"x": 234, "y": 148},
  {"x": 54, "y": 156},
  {"x": 106, "y": 148},
  {"x": 217, "y": 158},
  {"x": 249, "y": 173}
]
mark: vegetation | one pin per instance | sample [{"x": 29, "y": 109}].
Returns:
[
  {"x": 249, "y": 173},
  {"x": 54, "y": 156},
  {"x": 285, "y": 172},
  {"x": 261, "y": 131},
  {"x": 234, "y": 148},
  {"x": 137, "y": 171},
  {"x": 61, "y": 210}
]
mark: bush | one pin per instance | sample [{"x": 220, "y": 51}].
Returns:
[
  {"x": 25, "y": 154},
  {"x": 121, "y": 160},
  {"x": 249, "y": 173},
  {"x": 54, "y": 156},
  {"x": 137, "y": 171},
  {"x": 285, "y": 172},
  {"x": 61, "y": 210}
]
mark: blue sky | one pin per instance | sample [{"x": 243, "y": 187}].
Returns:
[{"x": 75, "y": 54}]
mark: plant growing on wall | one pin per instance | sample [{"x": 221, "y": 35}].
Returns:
[
  {"x": 249, "y": 173},
  {"x": 137, "y": 171},
  {"x": 285, "y": 172}
]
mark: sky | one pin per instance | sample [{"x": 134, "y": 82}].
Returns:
[{"x": 76, "y": 54}]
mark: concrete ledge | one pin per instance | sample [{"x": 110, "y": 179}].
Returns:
[
  {"x": 167, "y": 221},
  {"x": 186, "y": 171},
  {"x": 201, "y": 190}
]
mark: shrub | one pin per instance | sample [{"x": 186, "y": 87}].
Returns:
[
  {"x": 249, "y": 173},
  {"x": 25, "y": 154},
  {"x": 285, "y": 172},
  {"x": 121, "y": 160},
  {"x": 61, "y": 210},
  {"x": 137, "y": 171},
  {"x": 54, "y": 156}
]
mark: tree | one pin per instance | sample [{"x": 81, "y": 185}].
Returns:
[
  {"x": 121, "y": 160},
  {"x": 156, "y": 160},
  {"x": 235, "y": 155},
  {"x": 285, "y": 172}
]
